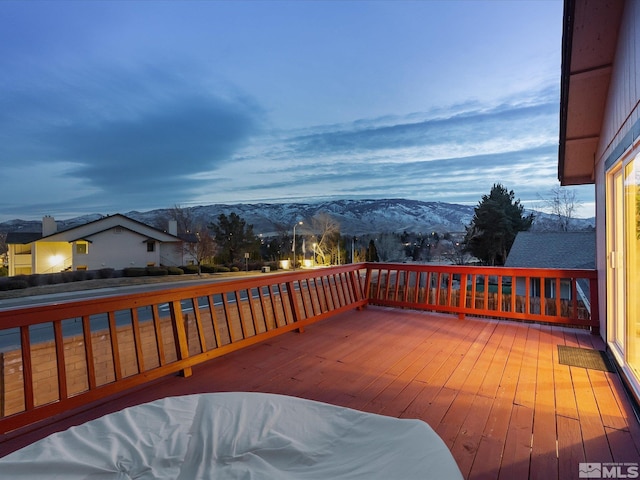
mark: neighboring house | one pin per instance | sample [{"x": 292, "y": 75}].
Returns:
[
  {"x": 566, "y": 250},
  {"x": 553, "y": 250},
  {"x": 600, "y": 144},
  {"x": 115, "y": 241}
]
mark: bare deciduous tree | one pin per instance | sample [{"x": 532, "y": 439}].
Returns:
[
  {"x": 204, "y": 249},
  {"x": 184, "y": 218},
  {"x": 327, "y": 232},
  {"x": 562, "y": 204}
]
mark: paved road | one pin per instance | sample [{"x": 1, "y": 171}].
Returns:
[
  {"x": 10, "y": 338},
  {"x": 55, "y": 298}
]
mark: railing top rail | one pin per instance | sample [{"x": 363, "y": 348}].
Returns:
[
  {"x": 89, "y": 306},
  {"x": 96, "y": 305},
  {"x": 485, "y": 270}
]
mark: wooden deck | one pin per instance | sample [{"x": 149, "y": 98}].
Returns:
[{"x": 493, "y": 390}]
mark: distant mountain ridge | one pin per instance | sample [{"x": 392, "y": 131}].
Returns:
[{"x": 356, "y": 217}]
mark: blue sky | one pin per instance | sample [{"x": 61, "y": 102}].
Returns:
[{"x": 110, "y": 107}]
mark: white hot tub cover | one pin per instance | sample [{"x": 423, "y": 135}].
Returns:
[{"x": 237, "y": 436}]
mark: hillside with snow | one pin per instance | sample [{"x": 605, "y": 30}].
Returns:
[{"x": 355, "y": 217}]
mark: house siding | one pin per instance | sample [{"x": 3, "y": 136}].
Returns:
[
  {"x": 117, "y": 249},
  {"x": 619, "y": 143}
]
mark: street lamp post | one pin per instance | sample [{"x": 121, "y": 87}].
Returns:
[
  {"x": 314, "y": 254},
  {"x": 294, "y": 244}
]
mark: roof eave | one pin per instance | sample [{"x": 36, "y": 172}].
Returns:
[{"x": 589, "y": 40}]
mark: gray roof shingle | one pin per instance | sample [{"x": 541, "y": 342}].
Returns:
[{"x": 553, "y": 250}]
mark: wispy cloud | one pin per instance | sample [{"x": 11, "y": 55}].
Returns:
[
  {"x": 109, "y": 107},
  {"x": 120, "y": 136},
  {"x": 454, "y": 156}
]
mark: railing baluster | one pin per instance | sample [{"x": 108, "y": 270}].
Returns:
[
  {"x": 115, "y": 351},
  {"x": 558, "y": 297},
  {"x": 527, "y": 289},
  {"x": 474, "y": 281},
  {"x": 214, "y": 322},
  {"x": 137, "y": 339},
  {"x": 196, "y": 312},
  {"x": 344, "y": 285},
  {"x": 88, "y": 349},
  {"x": 157, "y": 325},
  {"x": 396, "y": 290},
  {"x": 60, "y": 360},
  {"x": 315, "y": 299},
  {"x": 293, "y": 301},
  {"x": 241, "y": 315},
  {"x": 180, "y": 335},
  {"x": 252, "y": 310},
  {"x": 378, "y": 283},
  {"x": 463, "y": 294},
  {"x": 416, "y": 292},
  {"x": 327, "y": 295},
  {"x": 387, "y": 282},
  {"x": 227, "y": 317},
  {"x": 543, "y": 293},
  {"x": 27, "y": 368},
  {"x": 574, "y": 297},
  {"x": 486, "y": 293}
]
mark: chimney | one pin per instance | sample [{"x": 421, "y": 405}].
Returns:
[
  {"x": 173, "y": 227},
  {"x": 49, "y": 226}
]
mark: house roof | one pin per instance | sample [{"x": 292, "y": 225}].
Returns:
[
  {"x": 86, "y": 230},
  {"x": 553, "y": 250},
  {"x": 22, "y": 237},
  {"x": 188, "y": 237},
  {"x": 589, "y": 38}
]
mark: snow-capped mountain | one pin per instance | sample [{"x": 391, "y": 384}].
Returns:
[{"x": 355, "y": 217}]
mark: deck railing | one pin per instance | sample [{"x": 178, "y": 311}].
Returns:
[
  {"x": 65, "y": 356},
  {"x": 59, "y": 357},
  {"x": 568, "y": 297}
]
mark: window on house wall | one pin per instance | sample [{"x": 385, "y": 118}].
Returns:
[
  {"x": 82, "y": 248},
  {"x": 151, "y": 246},
  {"x": 22, "y": 249}
]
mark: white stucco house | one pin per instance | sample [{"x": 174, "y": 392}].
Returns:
[
  {"x": 114, "y": 241},
  {"x": 600, "y": 145}
]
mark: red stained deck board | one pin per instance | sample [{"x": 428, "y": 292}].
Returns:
[
  {"x": 516, "y": 457},
  {"x": 563, "y": 383},
  {"x": 544, "y": 462},
  {"x": 526, "y": 386},
  {"x": 491, "y": 383},
  {"x": 593, "y": 433},
  {"x": 570, "y": 448},
  {"x": 622, "y": 446}
]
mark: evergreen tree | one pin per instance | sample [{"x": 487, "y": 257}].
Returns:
[
  {"x": 372, "y": 252},
  {"x": 234, "y": 236},
  {"x": 496, "y": 221}
]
